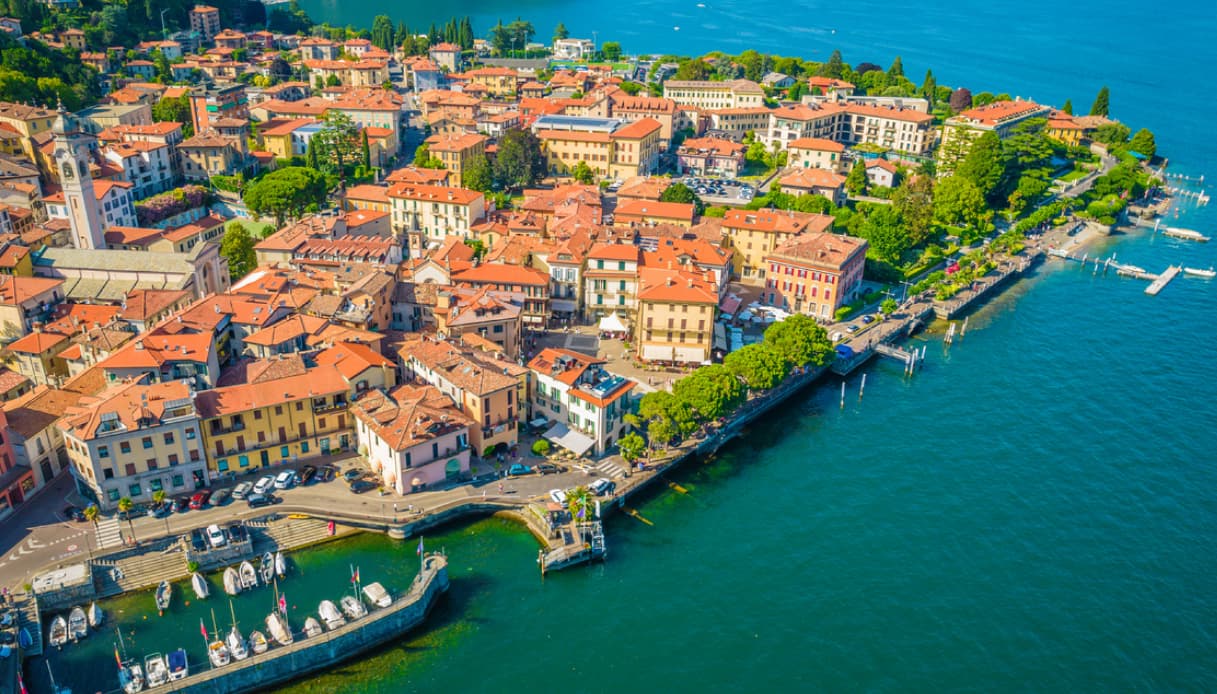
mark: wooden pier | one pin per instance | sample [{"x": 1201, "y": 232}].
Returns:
[{"x": 1162, "y": 280}]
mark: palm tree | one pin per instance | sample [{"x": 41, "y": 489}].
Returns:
[
  {"x": 92, "y": 513},
  {"x": 124, "y": 506},
  {"x": 578, "y": 499},
  {"x": 158, "y": 497}
]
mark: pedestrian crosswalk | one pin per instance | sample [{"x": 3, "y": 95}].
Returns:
[
  {"x": 610, "y": 469},
  {"x": 109, "y": 533}
]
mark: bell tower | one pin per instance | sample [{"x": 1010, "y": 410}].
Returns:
[{"x": 72, "y": 159}]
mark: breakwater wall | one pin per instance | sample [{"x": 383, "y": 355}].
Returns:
[{"x": 284, "y": 663}]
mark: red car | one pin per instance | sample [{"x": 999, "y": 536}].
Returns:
[{"x": 200, "y": 499}]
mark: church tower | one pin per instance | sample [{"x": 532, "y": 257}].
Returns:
[{"x": 72, "y": 159}]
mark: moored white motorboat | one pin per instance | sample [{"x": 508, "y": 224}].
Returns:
[
  {"x": 218, "y": 654},
  {"x": 201, "y": 589},
  {"x": 156, "y": 671},
  {"x": 279, "y": 629},
  {"x": 164, "y": 594},
  {"x": 179, "y": 666},
  {"x": 267, "y": 568},
  {"x": 78, "y": 624},
  {"x": 249, "y": 577},
  {"x": 1198, "y": 272},
  {"x": 312, "y": 627},
  {"x": 280, "y": 564},
  {"x": 96, "y": 616},
  {"x": 232, "y": 581},
  {"x": 353, "y": 607},
  {"x": 257, "y": 642},
  {"x": 131, "y": 677},
  {"x": 59, "y": 631},
  {"x": 331, "y": 615},
  {"x": 377, "y": 594},
  {"x": 236, "y": 644}
]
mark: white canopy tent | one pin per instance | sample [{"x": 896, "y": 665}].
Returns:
[
  {"x": 574, "y": 441},
  {"x": 612, "y": 324}
]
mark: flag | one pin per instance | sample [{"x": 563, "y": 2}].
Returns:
[
  {"x": 355, "y": 575},
  {"x": 283, "y": 603},
  {"x": 202, "y": 628},
  {"x": 117, "y": 659},
  {"x": 21, "y": 684},
  {"x": 582, "y": 511},
  {"x": 419, "y": 551}
]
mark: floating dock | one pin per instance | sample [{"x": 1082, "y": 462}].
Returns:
[{"x": 1162, "y": 280}]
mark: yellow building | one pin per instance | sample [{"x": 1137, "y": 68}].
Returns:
[
  {"x": 16, "y": 260},
  {"x": 209, "y": 155},
  {"x": 1063, "y": 128},
  {"x": 456, "y": 151},
  {"x": 564, "y": 149},
  {"x": 675, "y": 315},
  {"x": 636, "y": 148},
  {"x": 753, "y": 234},
  {"x": 960, "y": 131},
  {"x": 255, "y": 425},
  {"x": 28, "y": 121},
  {"x": 498, "y": 81},
  {"x": 717, "y": 95},
  {"x": 135, "y": 440},
  {"x": 428, "y": 214},
  {"x": 349, "y": 73}
]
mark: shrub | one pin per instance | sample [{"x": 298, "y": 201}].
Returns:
[{"x": 541, "y": 447}]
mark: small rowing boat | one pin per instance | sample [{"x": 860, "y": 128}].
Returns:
[
  {"x": 257, "y": 642},
  {"x": 164, "y": 594},
  {"x": 280, "y": 565},
  {"x": 249, "y": 577},
  {"x": 232, "y": 581},
  {"x": 377, "y": 594},
  {"x": 330, "y": 615},
  {"x": 96, "y": 616},
  {"x": 267, "y": 568},
  {"x": 1198, "y": 272},
  {"x": 312, "y": 627},
  {"x": 78, "y": 624},
  {"x": 59, "y": 631},
  {"x": 178, "y": 665},
  {"x": 201, "y": 589}
]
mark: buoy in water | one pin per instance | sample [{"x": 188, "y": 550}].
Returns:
[{"x": 677, "y": 488}]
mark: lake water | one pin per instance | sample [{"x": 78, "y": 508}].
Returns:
[{"x": 1035, "y": 510}]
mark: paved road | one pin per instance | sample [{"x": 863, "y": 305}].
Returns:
[{"x": 36, "y": 536}]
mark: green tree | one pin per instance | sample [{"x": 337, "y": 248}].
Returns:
[
  {"x": 834, "y": 68},
  {"x": 695, "y": 70},
  {"x": 1102, "y": 103},
  {"x": 158, "y": 497},
  {"x": 679, "y": 192},
  {"x": 478, "y": 175},
  {"x": 1143, "y": 142},
  {"x": 382, "y": 32},
  {"x": 237, "y": 246},
  {"x": 888, "y": 306},
  {"x": 310, "y": 155},
  {"x": 560, "y": 32},
  {"x": 958, "y": 202},
  {"x": 855, "y": 182},
  {"x": 711, "y": 391},
  {"x": 914, "y": 201},
  {"x": 124, "y": 506},
  {"x": 929, "y": 88},
  {"x": 583, "y": 173},
  {"x": 519, "y": 163},
  {"x": 885, "y": 234},
  {"x": 985, "y": 165},
  {"x": 760, "y": 366},
  {"x": 666, "y": 417},
  {"x": 286, "y": 192},
  {"x": 1111, "y": 134},
  {"x": 479, "y": 248},
  {"x": 611, "y": 51},
  {"x": 540, "y": 447},
  {"x": 631, "y": 446},
  {"x": 175, "y": 110},
  {"x": 1068, "y": 107},
  {"x": 897, "y": 69},
  {"x": 800, "y": 341},
  {"x": 163, "y": 72},
  {"x": 338, "y": 139},
  {"x": 365, "y": 152},
  {"x": 333, "y": 81}
]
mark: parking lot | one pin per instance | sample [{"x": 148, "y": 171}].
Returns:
[{"x": 723, "y": 191}]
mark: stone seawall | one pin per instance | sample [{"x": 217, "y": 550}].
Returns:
[{"x": 281, "y": 664}]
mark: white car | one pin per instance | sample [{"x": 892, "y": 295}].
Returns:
[
  {"x": 558, "y": 496},
  {"x": 601, "y": 486},
  {"x": 265, "y": 484},
  {"x": 215, "y": 536},
  {"x": 242, "y": 490},
  {"x": 286, "y": 479}
]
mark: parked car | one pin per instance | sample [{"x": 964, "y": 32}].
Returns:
[
  {"x": 198, "y": 540},
  {"x": 361, "y": 486},
  {"x": 326, "y": 473},
  {"x": 518, "y": 469},
  {"x": 73, "y": 513},
  {"x": 546, "y": 469},
  {"x": 215, "y": 536},
  {"x": 242, "y": 490},
  {"x": 259, "y": 499},
  {"x": 181, "y": 504},
  {"x": 264, "y": 485},
  {"x": 352, "y": 475},
  {"x": 200, "y": 499},
  {"x": 286, "y": 479},
  {"x": 851, "y": 328},
  {"x": 161, "y": 510},
  {"x": 307, "y": 474},
  {"x": 221, "y": 497},
  {"x": 868, "y": 319},
  {"x": 602, "y": 486},
  {"x": 558, "y": 495},
  {"x": 237, "y": 531}
]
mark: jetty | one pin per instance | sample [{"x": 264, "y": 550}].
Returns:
[{"x": 1162, "y": 280}]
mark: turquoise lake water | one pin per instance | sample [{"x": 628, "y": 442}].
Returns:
[{"x": 1034, "y": 511}]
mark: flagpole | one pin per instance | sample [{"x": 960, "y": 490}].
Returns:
[{"x": 206, "y": 643}]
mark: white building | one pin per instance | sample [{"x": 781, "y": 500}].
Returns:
[
  {"x": 413, "y": 436},
  {"x": 573, "y": 49},
  {"x": 114, "y": 206},
  {"x": 145, "y": 165},
  {"x": 587, "y": 402}
]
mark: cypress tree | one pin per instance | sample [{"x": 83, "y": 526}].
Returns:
[
  {"x": 1101, "y": 103},
  {"x": 1068, "y": 107}
]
